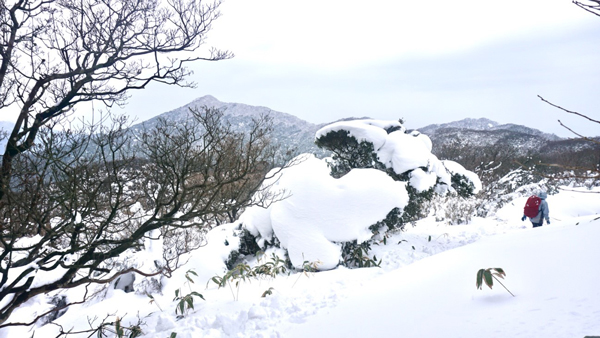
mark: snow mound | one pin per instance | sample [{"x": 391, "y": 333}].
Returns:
[
  {"x": 404, "y": 152},
  {"x": 373, "y": 131},
  {"x": 322, "y": 210}
]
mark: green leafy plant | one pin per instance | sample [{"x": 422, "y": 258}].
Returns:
[
  {"x": 307, "y": 268},
  {"x": 108, "y": 328},
  {"x": 185, "y": 303},
  {"x": 121, "y": 331},
  {"x": 488, "y": 275},
  {"x": 357, "y": 255},
  {"x": 240, "y": 272},
  {"x": 271, "y": 268},
  {"x": 243, "y": 272}
]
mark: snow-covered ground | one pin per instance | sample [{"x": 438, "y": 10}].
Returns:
[{"x": 424, "y": 288}]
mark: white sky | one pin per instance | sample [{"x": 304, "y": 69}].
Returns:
[{"x": 428, "y": 62}]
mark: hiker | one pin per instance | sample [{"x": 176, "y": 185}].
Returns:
[{"x": 543, "y": 211}]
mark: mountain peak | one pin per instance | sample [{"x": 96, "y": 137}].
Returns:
[
  {"x": 206, "y": 100},
  {"x": 468, "y": 123},
  {"x": 290, "y": 130}
]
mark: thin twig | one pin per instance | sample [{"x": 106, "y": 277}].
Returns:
[
  {"x": 589, "y": 8},
  {"x": 568, "y": 111},
  {"x": 581, "y": 136}
]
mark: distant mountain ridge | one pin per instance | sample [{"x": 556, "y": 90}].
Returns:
[
  {"x": 293, "y": 132},
  {"x": 483, "y": 124},
  {"x": 482, "y": 132},
  {"x": 290, "y": 131}
]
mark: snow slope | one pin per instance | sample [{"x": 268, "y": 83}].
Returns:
[
  {"x": 551, "y": 270},
  {"x": 425, "y": 287}
]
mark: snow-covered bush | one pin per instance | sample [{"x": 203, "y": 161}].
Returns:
[
  {"x": 378, "y": 179},
  {"x": 322, "y": 211},
  {"x": 516, "y": 183},
  {"x": 407, "y": 157}
]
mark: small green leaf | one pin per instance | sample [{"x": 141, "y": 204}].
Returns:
[
  {"x": 118, "y": 324},
  {"x": 500, "y": 272},
  {"x": 216, "y": 280},
  {"x": 487, "y": 276},
  {"x": 173, "y": 335},
  {"x": 429, "y": 240},
  {"x": 479, "y": 282}
]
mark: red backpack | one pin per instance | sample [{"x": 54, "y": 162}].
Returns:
[{"x": 532, "y": 207}]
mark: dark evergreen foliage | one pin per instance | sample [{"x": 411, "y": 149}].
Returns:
[
  {"x": 415, "y": 209},
  {"x": 357, "y": 255},
  {"x": 348, "y": 153},
  {"x": 462, "y": 185}
]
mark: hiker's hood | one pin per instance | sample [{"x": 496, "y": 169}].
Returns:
[{"x": 542, "y": 195}]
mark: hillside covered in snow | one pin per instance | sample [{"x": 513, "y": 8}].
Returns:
[
  {"x": 425, "y": 286},
  {"x": 381, "y": 239}
]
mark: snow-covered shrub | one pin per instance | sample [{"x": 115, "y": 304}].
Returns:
[
  {"x": 517, "y": 183},
  {"x": 407, "y": 157},
  {"x": 391, "y": 220},
  {"x": 378, "y": 179},
  {"x": 250, "y": 245},
  {"x": 454, "y": 210},
  {"x": 322, "y": 211}
]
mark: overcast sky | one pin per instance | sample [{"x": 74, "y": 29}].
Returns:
[{"x": 425, "y": 61}]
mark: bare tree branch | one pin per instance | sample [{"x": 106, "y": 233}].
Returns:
[
  {"x": 594, "y": 9},
  {"x": 568, "y": 111},
  {"x": 58, "y": 53},
  {"x": 90, "y": 199},
  {"x": 581, "y": 136}
]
